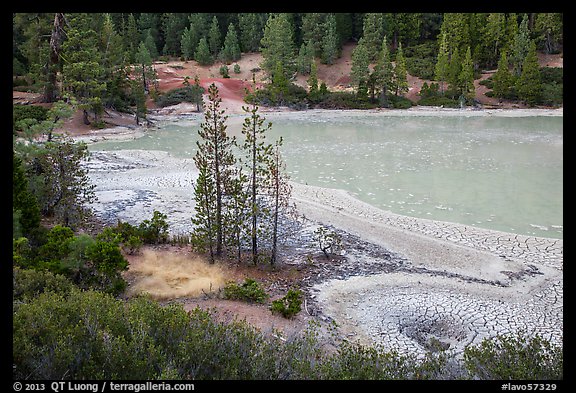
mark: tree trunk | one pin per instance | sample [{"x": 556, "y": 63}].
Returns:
[{"x": 51, "y": 89}]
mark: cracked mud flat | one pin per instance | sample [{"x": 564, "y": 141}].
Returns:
[
  {"x": 456, "y": 286},
  {"x": 405, "y": 283}
]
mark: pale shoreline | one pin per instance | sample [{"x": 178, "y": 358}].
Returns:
[
  {"x": 182, "y": 112},
  {"x": 452, "y": 264}
]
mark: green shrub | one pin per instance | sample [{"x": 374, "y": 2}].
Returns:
[
  {"x": 20, "y": 112},
  {"x": 155, "y": 230},
  {"x": 191, "y": 94},
  {"x": 515, "y": 357},
  {"x": 28, "y": 284},
  {"x": 439, "y": 101},
  {"x": 224, "y": 71},
  {"x": 289, "y": 305},
  {"x": 236, "y": 68},
  {"x": 249, "y": 291}
]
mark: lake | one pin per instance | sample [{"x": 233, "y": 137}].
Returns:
[{"x": 496, "y": 172}]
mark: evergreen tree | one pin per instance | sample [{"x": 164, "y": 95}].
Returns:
[
  {"x": 400, "y": 73},
  {"x": 529, "y": 84},
  {"x": 494, "y": 37},
  {"x": 330, "y": 41},
  {"x": 466, "y": 77},
  {"x": 151, "y": 23},
  {"x": 145, "y": 72},
  {"x": 278, "y": 46},
  {"x": 83, "y": 73},
  {"x": 24, "y": 203},
  {"x": 360, "y": 72},
  {"x": 202, "y": 54},
  {"x": 150, "y": 45},
  {"x": 313, "y": 80},
  {"x": 186, "y": 44},
  {"x": 214, "y": 37},
  {"x": 173, "y": 25},
  {"x": 215, "y": 153},
  {"x": 511, "y": 31},
  {"x": 258, "y": 155},
  {"x": 204, "y": 234},
  {"x": 198, "y": 27},
  {"x": 231, "y": 50},
  {"x": 305, "y": 58},
  {"x": 131, "y": 38},
  {"x": 383, "y": 72},
  {"x": 456, "y": 28},
  {"x": 251, "y": 30},
  {"x": 442, "y": 63},
  {"x": 281, "y": 191},
  {"x": 520, "y": 46},
  {"x": 454, "y": 68},
  {"x": 502, "y": 79},
  {"x": 314, "y": 31},
  {"x": 549, "y": 29},
  {"x": 373, "y": 32},
  {"x": 61, "y": 183}
]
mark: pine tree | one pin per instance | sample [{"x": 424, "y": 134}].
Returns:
[
  {"x": 215, "y": 153},
  {"x": 502, "y": 79},
  {"x": 231, "y": 49},
  {"x": 383, "y": 72},
  {"x": 400, "y": 73},
  {"x": 214, "y": 37},
  {"x": 520, "y": 46},
  {"x": 281, "y": 191},
  {"x": 549, "y": 29},
  {"x": 204, "y": 234},
  {"x": 23, "y": 201},
  {"x": 494, "y": 36},
  {"x": 313, "y": 80},
  {"x": 373, "y": 32},
  {"x": 186, "y": 44},
  {"x": 278, "y": 45},
  {"x": 360, "y": 72},
  {"x": 330, "y": 41},
  {"x": 529, "y": 84},
  {"x": 150, "y": 45},
  {"x": 454, "y": 68},
  {"x": 251, "y": 31},
  {"x": 202, "y": 54},
  {"x": 442, "y": 63},
  {"x": 173, "y": 25},
  {"x": 83, "y": 72},
  {"x": 305, "y": 58},
  {"x": 466, "y": 76},
  {"x": 257, "y": 154},
  {"x": 131, "y": 38}
]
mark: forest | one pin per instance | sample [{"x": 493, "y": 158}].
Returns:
[{"x": 71, "y": 316}]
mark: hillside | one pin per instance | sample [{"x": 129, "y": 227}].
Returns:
[{"x": 171, "y": 75}]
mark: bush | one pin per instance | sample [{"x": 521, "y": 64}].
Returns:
[
  {"x": 20, "y": 112},
  {"x": 515, "y": 357},
  {"x": 289, "y": 305},
  {"x": 439, "y": 101},
  {"x": 191, "y": 94},
  {"x": 224, "y": 71},
  {"x": 90, "y": 335},
  {"x": 249, "y": 291},
  {"x": 28, "y": 284},
  {"x": 155, "y": 230}
]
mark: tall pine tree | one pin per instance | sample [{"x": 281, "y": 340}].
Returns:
[{"x": 215, "y": 154}]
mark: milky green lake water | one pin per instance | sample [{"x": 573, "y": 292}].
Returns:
[{"x": 494, "y": 172}]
